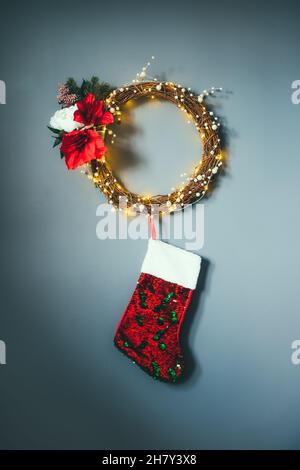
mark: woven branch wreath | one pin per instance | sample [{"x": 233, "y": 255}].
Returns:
[{"x": 81, "y": 128}]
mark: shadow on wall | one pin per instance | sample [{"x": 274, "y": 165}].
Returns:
[
  {"x": 191, "y": 321},
  {"x": 226, "y": 133},
  {"x": 190, "y": 325},
  {"x": 124, "y": 155}
]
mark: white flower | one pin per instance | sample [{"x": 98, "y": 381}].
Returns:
[{"x": 63, "y": 120}]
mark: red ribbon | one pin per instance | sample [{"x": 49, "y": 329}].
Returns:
[{"x": 152, "y": 227}]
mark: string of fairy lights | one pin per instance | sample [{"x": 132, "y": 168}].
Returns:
[{"x": 193, "y": 187}]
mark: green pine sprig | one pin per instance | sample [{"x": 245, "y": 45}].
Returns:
[
  {"x": 58, "y": 135},
  {"x": 100, "y": 89}
]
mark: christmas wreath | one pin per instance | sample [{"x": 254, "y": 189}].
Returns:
[{"x": 81, "y": 128}]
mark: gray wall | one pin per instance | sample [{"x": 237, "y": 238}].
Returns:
[{"x": 63, "y": 290}]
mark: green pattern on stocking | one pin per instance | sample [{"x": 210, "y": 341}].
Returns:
[
  {"x": 159, "y": 334},
  {"x": 156, "y": 369},
  {"x": 172, "y": 374},
  {"x": 164, "y": 302},
  {"x": 143, "y": 297}
]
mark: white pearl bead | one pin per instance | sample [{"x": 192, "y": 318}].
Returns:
[
  {"x": 158, "y": 87},
  {"x": 214, "y": 127},
  {"x": 200, "y": 98},
  {"x": 214, "y": 170},
  {"x": 197, "y": 194},
  {"x": 142, "y": 74},
  {"x": 112, "y": 110}
]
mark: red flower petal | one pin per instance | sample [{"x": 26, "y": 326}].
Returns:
[
  {"x": 97, "y": 111},
  {"x": 80, "y": 147},
  {"x": 78, "y": 117},
  {"x": 90, "y": 111},
  {"x": 107, "y": 118},
  {"x": 89, "y": 99},
  {"x": 97, "y": 144}
]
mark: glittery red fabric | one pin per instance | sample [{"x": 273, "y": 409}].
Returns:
[{"x": 149, "y": 330}]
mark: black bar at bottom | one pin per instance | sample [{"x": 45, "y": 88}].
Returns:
[{"x": 135, "y": 458}]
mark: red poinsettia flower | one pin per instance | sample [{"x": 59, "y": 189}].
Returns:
[
  {"x": 79, "y": 147},
  {"x": 90, "y": 112}
]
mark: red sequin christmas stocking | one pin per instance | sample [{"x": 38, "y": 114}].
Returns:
[{"x": 149, "y": 330}]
